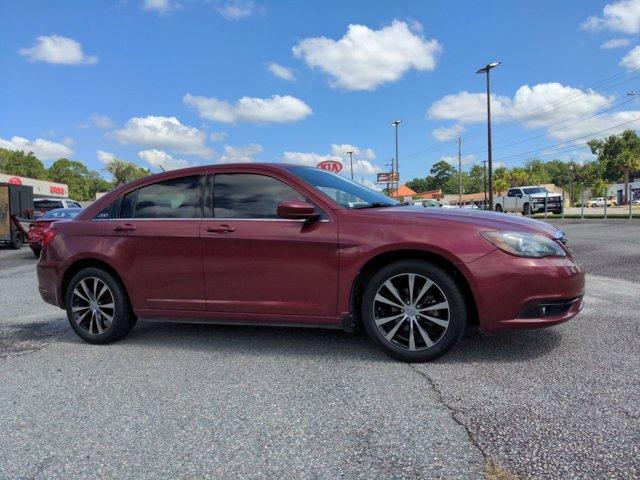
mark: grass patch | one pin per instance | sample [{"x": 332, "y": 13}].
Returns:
[{"x": 493, "y": 472}]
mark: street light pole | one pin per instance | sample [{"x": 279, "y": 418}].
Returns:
[
  {"x": 460, "y": 172},
  {"x": 396, "y": 123},
  {"x": 486, "y": 69},
  {"x": 351, "y": 162},
  {"x": 484, "y": 168}
]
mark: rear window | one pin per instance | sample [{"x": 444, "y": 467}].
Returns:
[
  {"x": 47, "y": 204},
  {"x": 175, "y": 198}
]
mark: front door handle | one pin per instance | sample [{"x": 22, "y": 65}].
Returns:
[
  {"x": 127, "y": 227},
  {"x": 221, "y": 229}
]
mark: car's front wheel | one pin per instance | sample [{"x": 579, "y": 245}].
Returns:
[
  {"x": 98, "y": 308},
  {"x": 414, "y": 310}
]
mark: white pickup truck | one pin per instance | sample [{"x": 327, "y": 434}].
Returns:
[{"x": 528, "y": 200}]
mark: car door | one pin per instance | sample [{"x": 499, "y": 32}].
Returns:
[
  {"x": 155, "y": 244},
  {"x": 257, "y": 263}
]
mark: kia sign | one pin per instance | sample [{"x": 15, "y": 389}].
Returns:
[
  {"x": 14, "y": 181},
  {"x": 330, "y": 166},
  {"x": 387, "y": 177}
]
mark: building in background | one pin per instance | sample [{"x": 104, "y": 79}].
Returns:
[
  {"x": 616, "y": 192},
  {"x": 403, "y": 194},
  {"x": 41, "y": 188}
]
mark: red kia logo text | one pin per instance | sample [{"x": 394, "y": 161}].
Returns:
[{"x": 330, "y": 165}]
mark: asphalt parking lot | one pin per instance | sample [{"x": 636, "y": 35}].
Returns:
[{"x": 195, "y": 401}]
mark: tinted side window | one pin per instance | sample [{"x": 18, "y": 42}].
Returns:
[
  {"x": 73, "y": 205},
  {"x": 248, "y": 195},
  {"x": 175, "y": 198},
  {"x": 128, "y": 204}
]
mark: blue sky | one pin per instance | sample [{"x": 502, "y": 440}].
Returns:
[{"x": 181, "y": 82}]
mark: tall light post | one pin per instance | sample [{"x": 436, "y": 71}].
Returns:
[
  {"x": 396, "y": 123},
  {"x": 351, "y": 162},
  {"x": 486, "y": 69},
  {"x": 460, "y": 171},
  {"x": 484, "y": 168}
]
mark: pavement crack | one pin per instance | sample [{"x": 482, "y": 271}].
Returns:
[{"x": 454, "y": 413}]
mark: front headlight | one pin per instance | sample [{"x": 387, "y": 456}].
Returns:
[{"x": 525, "y": 244}]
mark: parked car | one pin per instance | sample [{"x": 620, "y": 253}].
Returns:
[
  {"x": 528, "y": 200},
  {"x": 43, "y": 205},
  {"x": 428, "y": 203},
  {"x": 599, "y": 202},
  {"x": 38, "y": 226},
  {"x": 296, "y": 245}
]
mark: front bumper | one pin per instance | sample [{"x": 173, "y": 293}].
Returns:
[{"x": 509, "y": 290}]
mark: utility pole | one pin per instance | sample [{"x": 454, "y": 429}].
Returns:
[
  {"x": 570, "y": 182},
  {"x": 396, "y": 123},
  {"x": 351, "y": 162},
  {"x": 484, "y": 168},
  {"x": 390, "y": 166},
  {"x": 486, "y": 69},
  {"x": 460, "y": 171}
]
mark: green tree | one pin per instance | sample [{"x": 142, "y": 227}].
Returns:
[
  {"x": 16, "y": 162},
  {"x": 441, "y": 172},
  {"x": 619, "y": 155},
  {"x": 76, "y": 175},
  {"x": 125, "y": 172}
]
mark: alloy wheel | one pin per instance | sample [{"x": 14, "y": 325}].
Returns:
[
  {"x": 93, "y": 305},
  {"x": 411, "y": 311}
]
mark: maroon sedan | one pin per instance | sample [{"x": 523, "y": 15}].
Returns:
[{"x": 294, "y": 245}]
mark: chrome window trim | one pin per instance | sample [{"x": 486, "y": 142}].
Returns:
[{"x": 210, "y": 219}]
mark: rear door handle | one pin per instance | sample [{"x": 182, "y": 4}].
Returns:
[
  {"x": 221, "y": 229},
  {"x": 127, "y": 227}
]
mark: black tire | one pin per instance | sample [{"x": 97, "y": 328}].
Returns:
[
  {"x": 498, "y": 208},
  {"x": 447, "y": 286},
  {"x": 17, "y": 241},
  {"x": 123, "y": 318},
  {"x": 36, "y": 249},
  {"x": 526, "y": 209}
]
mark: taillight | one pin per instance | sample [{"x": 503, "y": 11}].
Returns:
[{"x": 47, "y": 236}]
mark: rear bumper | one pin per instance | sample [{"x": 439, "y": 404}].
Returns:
[
  {"x": 48, "y": 284},
  {"x": 511, "y": 291}
]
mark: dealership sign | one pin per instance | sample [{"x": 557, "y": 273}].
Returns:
[
  {"x": 387, "y": 177},
  {"x": 330, "y": 166}
]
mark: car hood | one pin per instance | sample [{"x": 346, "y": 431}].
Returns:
[{"x": 482, "y": 219}]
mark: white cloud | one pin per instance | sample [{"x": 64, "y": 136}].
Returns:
[
  {"x": 281, "y": 71},
  {"x": 43, "y": 149},
  {"x": 621, "y": 16},
  {"x": 277, "y": 109},
  {"x": 364, "y": 58},
  {"x": 237, "y": 9},
  {"x": 162, "y": 160},
  {"x": 444, "y": 134},
  {"x": 160, "y": 6},
  {"x": 562, "y": 110},
  {"x": 102, "y": 122},
  {"x": 465, "y": 107},
  {"x": 362, "y": 158},
  {"x": 631, "y": 60},
  {"x": 615, "y": 43},
  {"x": 164, "y": 133},
  {"x": 369, "y": 184},
  {"x": 218, "y": 136},
  {"x": 58, "y": 50},
  {"x": 105, "y": 157},
  {"x": 244, "y": 154}
]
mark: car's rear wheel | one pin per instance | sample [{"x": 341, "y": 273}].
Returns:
[
  {"x": 16, "y": 241},
  {"x": 414, "y": 310},
  {"x": 98, "y": 308},
  {"x": 498, "y": 208}
]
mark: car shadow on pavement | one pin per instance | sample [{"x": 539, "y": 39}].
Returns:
[{"x": 474, "y": 347}]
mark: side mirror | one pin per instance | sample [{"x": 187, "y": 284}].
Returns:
[
  {"x": 519, "y": 195},
  {"x": 296, "y": 210}
]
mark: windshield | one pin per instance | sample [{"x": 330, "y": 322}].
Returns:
[
  {"x": 347, "y": 193},
  {"x": 529, "y": 191}
]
